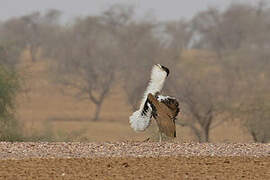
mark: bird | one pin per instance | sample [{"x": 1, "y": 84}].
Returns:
[{"x": 140, "y": 119}]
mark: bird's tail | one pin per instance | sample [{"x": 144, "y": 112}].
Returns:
[{"x": 139, "y": 121}]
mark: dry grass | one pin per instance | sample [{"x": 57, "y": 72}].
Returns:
[{"x": 44, "y": 102}]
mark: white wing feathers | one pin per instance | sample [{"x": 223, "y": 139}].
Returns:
[{"x": 139, "y": 121}]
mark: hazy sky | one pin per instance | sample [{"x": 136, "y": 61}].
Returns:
[{"x": 162, "y": 9}]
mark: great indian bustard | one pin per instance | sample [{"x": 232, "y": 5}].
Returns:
[{"x": 163, "y": 108}]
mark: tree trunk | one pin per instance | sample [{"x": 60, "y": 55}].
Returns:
[
  {"x": 254, "y": 136},
  {"x": 97, "y": 112},
  {"x": 32, "y": 53},
  {"x": 194, "y": 129},
  {"x": 205, "y": 135},
  {"x": 197, "y": 133},
  {"x": 206, "y": 126}
]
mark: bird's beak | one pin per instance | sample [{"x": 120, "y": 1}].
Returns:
[{"x": 158, "y": 65}]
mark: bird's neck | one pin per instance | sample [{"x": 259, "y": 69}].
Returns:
[{"x": 153, "y": 87}]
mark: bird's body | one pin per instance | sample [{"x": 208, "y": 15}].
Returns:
[
  {"x": 165, "y": 110},
  {"x": 140, "y": 119}
]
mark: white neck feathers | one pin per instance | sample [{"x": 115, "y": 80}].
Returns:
[{"x": 158, "y": 77}]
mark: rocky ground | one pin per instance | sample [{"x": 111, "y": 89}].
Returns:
[{"x": 134, "y": 160}]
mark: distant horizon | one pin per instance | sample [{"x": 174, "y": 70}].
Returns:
[{"x": 161, "y": 10}]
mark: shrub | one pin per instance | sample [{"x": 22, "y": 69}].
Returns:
[{"x": 9, "y": 86}]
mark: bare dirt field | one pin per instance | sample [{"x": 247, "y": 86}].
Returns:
[
  {"x": 134, "y": 160},
  {"x": 45, "y": 108}
]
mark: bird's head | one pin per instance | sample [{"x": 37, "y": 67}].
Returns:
[
  {"x": 159, "y": 73},
  {"x": 163, "y": 68}
]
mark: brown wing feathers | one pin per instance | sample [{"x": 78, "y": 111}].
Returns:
[{"x": 165, "y": 113}]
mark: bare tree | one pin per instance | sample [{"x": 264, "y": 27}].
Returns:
[
  {"x": 235, "y": 39},
  {"x": 140, "y": 49},
  {"x": 87, "y": 61},
  {"x": 201, "y": 90},
  {"x": 251, "y": 94},
  {"x": 224, "y": 31},
  {"x": 256, "y": 117},
  {"x": 178, "y": 37},
  {"x": 30, "y": 31},
  {"x": 202, "y": 94},
  {"x": 249, "y": 67}
]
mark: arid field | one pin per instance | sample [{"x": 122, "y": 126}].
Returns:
[
  {"x": 110, "y": 149},
  {"x": 134, "y": 160}
]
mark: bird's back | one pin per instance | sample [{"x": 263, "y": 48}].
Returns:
[{"x": 166, "y": 113}]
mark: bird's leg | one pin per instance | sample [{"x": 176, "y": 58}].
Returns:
[
  {"x": 160, "y": 136},
  {"x": 146, "y": 140}
]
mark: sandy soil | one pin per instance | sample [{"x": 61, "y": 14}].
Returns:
[
  {"x": 134, "y": 160},
  {"x": 138, "y": 168}
]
